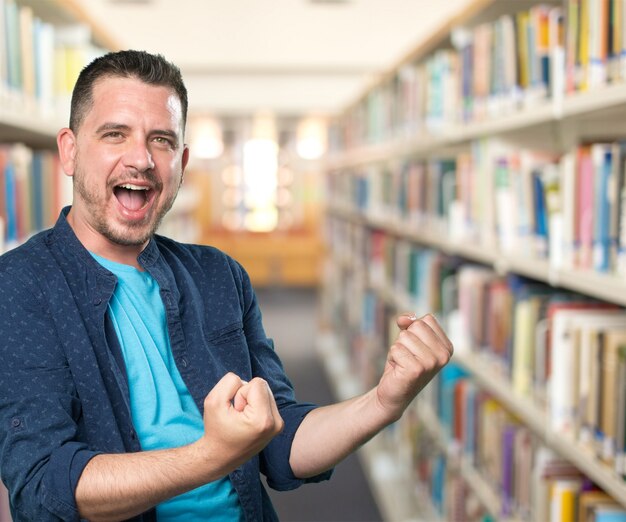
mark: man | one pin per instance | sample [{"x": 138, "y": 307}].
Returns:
[{"x": 137, "y": 380}]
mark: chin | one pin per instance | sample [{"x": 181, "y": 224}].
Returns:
[{"x": 130, "y": 236}]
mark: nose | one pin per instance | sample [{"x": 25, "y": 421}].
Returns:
[{"x": 138, "y": 156}]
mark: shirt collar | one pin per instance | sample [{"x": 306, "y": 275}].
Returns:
[{"x": 64, "y": 233}]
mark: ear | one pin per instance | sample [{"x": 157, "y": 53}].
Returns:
[
  {"x": 66, "y": 143},
  {"x": 184, "y": 161}
]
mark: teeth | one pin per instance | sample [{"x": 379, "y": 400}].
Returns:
[{"x": 133, "y": 187}]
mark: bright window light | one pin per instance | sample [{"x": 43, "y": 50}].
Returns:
[
  {"x": 206, "y": 138},
  {"x": 260, "y": 168},
  {"x": 311, "y": 141}
]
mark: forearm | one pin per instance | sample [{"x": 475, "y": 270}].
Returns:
[
  {"x": 329, "y": 434},
  {"x": 241, "y": 417},
  {"x": 119, "y": 486}
]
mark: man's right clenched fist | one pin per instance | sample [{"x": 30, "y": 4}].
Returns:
[{"x": 240, "y": 418}]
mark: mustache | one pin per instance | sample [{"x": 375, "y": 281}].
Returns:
[{"x": 145, "y": 177}]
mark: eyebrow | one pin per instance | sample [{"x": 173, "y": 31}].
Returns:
[{"x": 111, "y": 126}]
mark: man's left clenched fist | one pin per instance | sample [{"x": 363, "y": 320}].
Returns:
[{"x": 421, "y": 349}]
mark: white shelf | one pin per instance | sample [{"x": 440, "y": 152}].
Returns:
[
  {"x": 22, "y": 121},
  {"x": 611, "y": 97},
  {"x": 607, "y": 287},
  {"x": 568, "y": 111}
]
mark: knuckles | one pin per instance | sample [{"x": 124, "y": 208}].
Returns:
[{"x": 267, "y": 424}]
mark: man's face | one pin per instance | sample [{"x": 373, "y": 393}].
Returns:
[{"x": 127, "y": 161}]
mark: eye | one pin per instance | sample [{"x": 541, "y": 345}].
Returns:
[
  {"x": 113, "y": 135},
  {"x": 165, "y": 141}
]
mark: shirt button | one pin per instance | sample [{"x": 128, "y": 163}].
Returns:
[
  {"x": 97, "y": 301},
  {"x": 16, "y": 423},
  {"x": 183, "y": 362}
]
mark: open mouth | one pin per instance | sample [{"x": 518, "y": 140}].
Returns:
[{"x": 132, "y": 197}]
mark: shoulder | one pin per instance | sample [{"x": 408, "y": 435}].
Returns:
[
  {"x": 24, "y": 267},
  {"x": 28, "y": 257}
]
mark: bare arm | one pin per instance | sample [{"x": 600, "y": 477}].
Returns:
[
  {"x": 239, "y": 418},
  {"x": 119, "y": 486},
  {"x": 329, "y": 434}
]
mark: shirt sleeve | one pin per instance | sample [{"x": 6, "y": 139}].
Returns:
[
  {"x": 40, "y": 458},
  {"x": 274, "y": 459}
]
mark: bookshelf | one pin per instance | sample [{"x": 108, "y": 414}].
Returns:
[
  {"x": 427, "y": 168},
  {"x": 43, "y": 44}
]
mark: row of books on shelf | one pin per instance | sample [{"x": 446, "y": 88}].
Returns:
[
  {"x": 499, "y": 66},
  {"x": 33, "y": 189},
  {"x": 568, "y": 209},
  {"x": 39, "y": 61},
  {"x": 564, "y": 351},
  {"x": 494, "y": 466},
  {"x": 474, "y": 444},
  {"x": 560, "y": 352}
]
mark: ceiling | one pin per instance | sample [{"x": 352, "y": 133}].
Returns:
[{"x": 291, "y": 57}]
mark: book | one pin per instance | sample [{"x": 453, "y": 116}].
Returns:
[
  {"x": 589, "y": 501},
  {"x": 3, "y": 53},
  {"x": 571, "y": 54},
  {"x": 526, "y": 317},
  {"x": 583, "y": 51},
  {"x": 597, "y": 47},
  {"x": 27, "y": 56},
  {"x": 620, "y": 420},
  {"x": 44, "y": 64},
  {"x": 506, "y": 206},
  {"x": 556, "y": 44},
  {"x": 566, "y": 391},
  {"x": 602, "y": 158},
  {"x": 609, "y": 514},
  {"x": 585, "y": 213},
  {"x": 563, "y": 499},
  {"x": 611, "y": 396},
  {"x": 614, "y": 44},
  {"x": 564, "y": 255},
  {"x": 12, "y": 42},
  {"x": 618, "y": 221}
]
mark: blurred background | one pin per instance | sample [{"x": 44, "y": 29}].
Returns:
[
  {"x": 363, "y": 158},
  {"x": 265, "y": 80}
]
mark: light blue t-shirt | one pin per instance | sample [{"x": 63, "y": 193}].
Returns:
[{"x": 163, "y": 411}]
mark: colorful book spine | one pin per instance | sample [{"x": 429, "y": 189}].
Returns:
[{"x": 33, "y": 189}]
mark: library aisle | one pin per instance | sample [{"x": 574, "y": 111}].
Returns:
[{"x": 289, "y": 315}]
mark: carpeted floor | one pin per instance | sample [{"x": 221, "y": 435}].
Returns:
[{"x": 290, "y": 318}]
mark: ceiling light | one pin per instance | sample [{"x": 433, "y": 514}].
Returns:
[
  {"x": 331, "y": 2},
  {"x": 131, "y": 2}
]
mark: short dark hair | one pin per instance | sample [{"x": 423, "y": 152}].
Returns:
[{"x": 152, "y": 69}]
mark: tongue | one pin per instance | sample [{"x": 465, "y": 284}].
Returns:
[{"x": 131, "y": 199}]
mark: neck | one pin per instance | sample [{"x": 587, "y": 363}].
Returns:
[{"x": 102, "y": 246}]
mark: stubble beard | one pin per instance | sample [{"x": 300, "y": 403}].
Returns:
[{"x": 128, "y": 234}]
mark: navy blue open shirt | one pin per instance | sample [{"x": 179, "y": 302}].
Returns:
[{"x": 63, "y": 387}]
